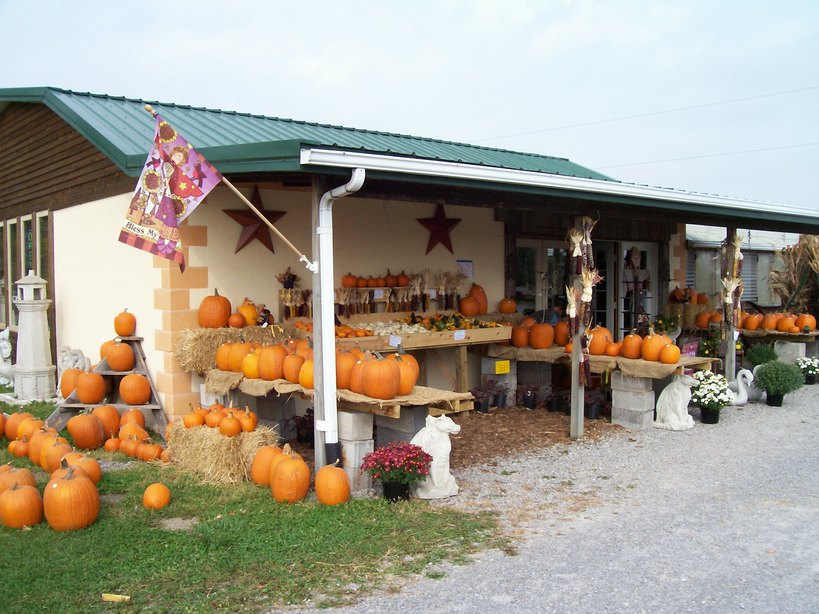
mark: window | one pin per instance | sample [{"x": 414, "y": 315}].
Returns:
[{"x": 24, "y": 247}]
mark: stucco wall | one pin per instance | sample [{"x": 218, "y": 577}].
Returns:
[{"x": 96, "y": 277}]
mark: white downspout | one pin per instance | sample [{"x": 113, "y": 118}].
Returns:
[{"x": 324, "y": 338}]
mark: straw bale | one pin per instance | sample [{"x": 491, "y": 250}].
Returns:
[
  {"x": 215, "y": 458},
  {"x": 195, "y": 349},
  {"x": 690, "y": 312}
]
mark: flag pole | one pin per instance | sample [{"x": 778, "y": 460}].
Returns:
[{"x": 302, "y": 258}]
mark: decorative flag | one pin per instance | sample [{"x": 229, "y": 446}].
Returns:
[{"x": 175, "y": 179}]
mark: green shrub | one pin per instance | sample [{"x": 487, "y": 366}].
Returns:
[
  {"x": 760, "y": 353},
  {"x": 777, "y": 377}
]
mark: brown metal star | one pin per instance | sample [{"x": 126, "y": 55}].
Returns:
[
  {"x": 439, "y": 228},
  {"x": 252, "y": 226}
]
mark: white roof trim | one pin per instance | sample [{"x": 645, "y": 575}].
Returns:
[{"x": 459, "y": 170}]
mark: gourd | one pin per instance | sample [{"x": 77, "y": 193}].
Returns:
[
  {"x": 332, "y": 485},
  {"x": 21, "y": 506},
  {"x": 156, "y": 496},
  {"x": 87, "y": 431},
  {"x": 214, "y": 311},
  {"x": 260, "y": 467},
  {"x": 289, "y": 479},
  {"x": 124, "y": 323},
  {"x": 134, "y": 389}
]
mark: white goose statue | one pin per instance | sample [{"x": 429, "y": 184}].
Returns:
[{"x": 743, "y": 388}]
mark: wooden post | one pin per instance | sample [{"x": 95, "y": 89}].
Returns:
[
  {"x": 460, "y": 369},
  {"x": 728, "y": 315},
  {"x": 318, "y": 189}
]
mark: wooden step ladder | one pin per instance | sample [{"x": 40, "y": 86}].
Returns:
[{"x": 71, "y": 405}]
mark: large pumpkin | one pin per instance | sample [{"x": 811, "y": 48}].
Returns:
[
  {"x": 703, "y": 319},
  {"x": 407, "y": 374},
  {"x": 468, "y": 306},
  {"x": 541, "y": 336},
  {"x": 71, "y": 502},
  {"x": 90, "y": 388},
  {"x": 21, "y": 476},
  {"x": 507, "y": 305},
  {"x": 214, "y": 311},
  {"x": 237, "y": 353},
  {"x": 13, "y": 421},
  {"x": 785, "y": 324},
  {"x": 769, "y": 321},
  {"x": 87, "y": 431},
  {"x": 290, "y": 480},
  {"x": 306, "y": 376},
  {"x": 479, "y": 294},
  {"x": 349, "y": 281},
  {"x": 68, "y": 381},
  {"x": 109, "y": 417},
  {"x": 124, "y": 324},
  {"x": 120, "y": 357},
  {"x": 21, "y": 506},
  {"x": 260, "y": 467},
  {"x": 752, "y": 321},
  {"x": 135, "y": 389},
  {"x": 271, "y": 360},
  {"x": 345, "y": 361},
  {"x": 520, "y": 336},
  {"x": 291, "y": 366},
  {"x": 670, "y": 354},
  {"x": 332, "y": 485},
  {"x": 156, "y": 496},
  {"x": 381, "y": 378},
  {"x": 632, "y": 345},
  {"x": 250, "y": 365},
  {"x": 806, "y": 321},
  {"x": 600, "y": 337},
  {"x": 653, "y": 343},
  {"x": 562, "y": 332}
]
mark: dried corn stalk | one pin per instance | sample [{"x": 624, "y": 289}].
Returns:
[{"x": 797, "y": 282}]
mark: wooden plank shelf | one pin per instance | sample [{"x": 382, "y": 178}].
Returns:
[{"x": 153, "y": 408}]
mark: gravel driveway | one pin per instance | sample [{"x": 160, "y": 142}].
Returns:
[{"x": 721, "y": 518}]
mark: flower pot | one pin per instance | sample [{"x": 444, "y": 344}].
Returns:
[
  {"x": 592, "y": 411},
  {"x": 529, "y": 401},
  {"x": 555, "y": 404},
  {"x": 709, "y": 416},
  {"x": 396, "y": 491},
  {"x": 810, "y": 380},
  {"x": 499, "y": 400},
  {"x": 481, "y": 406},
  {"x": 774, "y": 400}
]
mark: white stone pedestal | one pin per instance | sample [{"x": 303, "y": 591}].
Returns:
[{"x": 632, "y": 401}]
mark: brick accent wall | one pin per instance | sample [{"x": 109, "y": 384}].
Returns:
[{"x": 173, "y": 300}]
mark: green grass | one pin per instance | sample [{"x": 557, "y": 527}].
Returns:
[{"x": 247, "y": 553}]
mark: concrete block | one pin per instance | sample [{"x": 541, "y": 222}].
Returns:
[
  {"x": 354, "y": 425},
  {"x": 413, "y": 419},
  {"x": 385, "y": 435},
  {"x": 631, "y": 418},
  {"x": 789, "y": 351},
  {"x": 640, "y": 401},
  {"x": 534, "y": 373},
  {"x": 629, "y": 383},
  {"x": 352, "y": 455}
]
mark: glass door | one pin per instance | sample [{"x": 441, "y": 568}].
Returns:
[
  {"x": 638, "y": 270},
  {"x": 538, "y": 275}
]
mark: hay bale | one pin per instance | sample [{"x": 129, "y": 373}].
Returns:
[
  {"x": 195, "y": 349},
  {"x": 690, "y": 312},
  {"x": 215, "y": 458}
]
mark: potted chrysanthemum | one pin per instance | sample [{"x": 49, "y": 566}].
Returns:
[
  {"x": 712, "y": 394},
  {"x": 397, "y": 465},
  {"x": 778, "y": 378},
  {"x": 809, "y": 365}
]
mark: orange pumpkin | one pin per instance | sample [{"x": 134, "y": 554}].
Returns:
[
  {"x": 600, "y": 338},
  {"x": 785, "y": 324},
  {"x": 332, "y": 485},
  {"x": 520, "y": 336},
  {"x": 702, "y": 319},
  {"x": 271, "y": 360},
  {"x": 702, "y": 299},
  {"x": 237, "y": 320},
  {"x": 381, "y": 378},
  {"x": 349, "y": 281},
  {"x": 716, "y": 318},
  {"x": 613, "y": 349},
  {"x": 752, "y": 322},
  {"x": 291, "y": 367},
  {"x": 479, "y": 294},
  {"x": 306, "y": 375},
  {"x": 541, "y": 336},
  {"x": 109, "y": 417},
  {"x": 68, "y": 381},
  {"x": 237, "y": 353},
  {"x": 407, "y": 375},
  {"x": 345, "y": 361},
  {"x": 632, "y": 345},
  {"x": 468, "y": 306},
  {"x": 90, "y": 388},
  {"x": 652, "y": 346},
  {"x": 230, "y": 426},
  {"x": 670, "y": 354},
  {"x": 562, "y": 332},
  {"x": 214, "y": 311},
  {"x": 124, "y": 324},
  {"x": 260, "y": 467},
  {"x": 507, "y": 305},
  {"x": 290, "y": 480},
  {"x": 806, "y": 321},
  {"x": 248, "y": 310},
  {"x": 769, "y": 321},
  {"x": 135, "y": 389},
  {"x": 120, "y": 357},
  {"x": 250, "y": 365}
]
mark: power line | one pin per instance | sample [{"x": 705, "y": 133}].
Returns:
[
  {"x": 648, "y": 114},
  {"x": 713, "y": 155}
]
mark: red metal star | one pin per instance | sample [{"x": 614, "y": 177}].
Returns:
[
  {"x": 252, "y": 226},
  {"x": 439, "y": 228}
]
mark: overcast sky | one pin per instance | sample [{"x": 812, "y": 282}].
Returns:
[{"x": 706, "y": 95}]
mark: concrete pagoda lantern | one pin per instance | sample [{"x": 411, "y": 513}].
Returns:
[{"x": 34, "y": 373}]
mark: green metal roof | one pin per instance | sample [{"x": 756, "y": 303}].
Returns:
[{"x": 241, "y": 142}]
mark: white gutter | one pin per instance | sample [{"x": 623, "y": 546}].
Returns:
[
  {"x": 324, "y": 338},
  {"x": 459, "y": 170}
]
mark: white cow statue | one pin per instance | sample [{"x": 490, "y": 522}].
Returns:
[
  {"x": 434, "y": 440},
  {"x": 672, "y": 405}
]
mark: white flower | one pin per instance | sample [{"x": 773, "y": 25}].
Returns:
[
  {"x": 712, "y": 391},
  {"x": 808, "y": 364}
]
